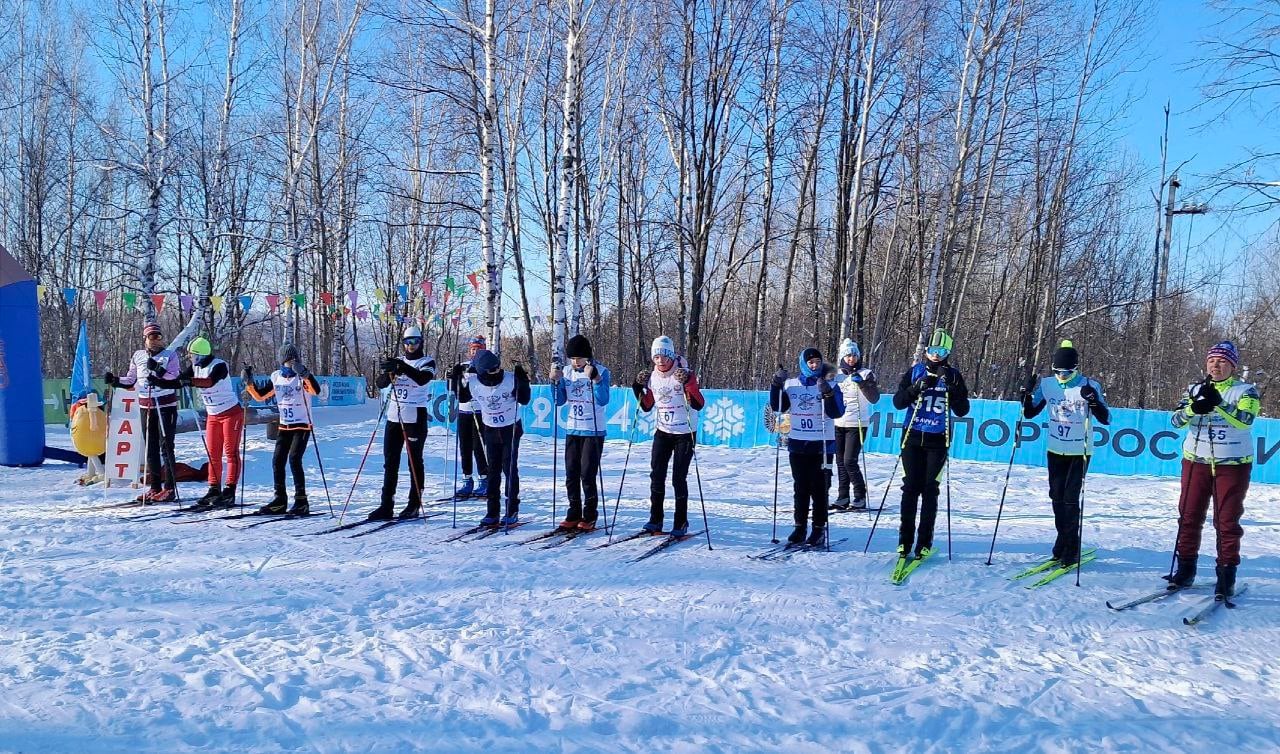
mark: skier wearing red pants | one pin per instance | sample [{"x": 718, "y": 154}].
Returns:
[
  {"x": 1217, "y": 457},
  {"x": 224, "y": 421}
]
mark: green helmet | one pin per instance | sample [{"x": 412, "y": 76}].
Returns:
[{"x": 200, "y": 347}]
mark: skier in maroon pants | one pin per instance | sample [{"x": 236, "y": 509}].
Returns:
[{"x": 1217, "y": 456}]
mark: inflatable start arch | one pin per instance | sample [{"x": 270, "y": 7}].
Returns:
[{"x": 21, "y": 391}]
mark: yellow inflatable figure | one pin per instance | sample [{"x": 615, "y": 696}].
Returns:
[{"x": 89, "y": 435}]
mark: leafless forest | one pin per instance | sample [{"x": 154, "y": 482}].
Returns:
[{"x": 747, "y": 176}]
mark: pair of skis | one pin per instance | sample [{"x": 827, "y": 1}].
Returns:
[
  {"x": 791, "y": 549},
  {"x": 1052, "y": 569},
  {"x": 904, "y": 566},
  {"x": 1199, "y": 616}
]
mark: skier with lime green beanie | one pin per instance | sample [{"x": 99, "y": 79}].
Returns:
[
  {"x": 1074, "y": 402},
  {"x": 224, "y": 422}
]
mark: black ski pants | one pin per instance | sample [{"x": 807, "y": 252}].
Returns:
[
  {"x": 848, "y": 451},
  {"x": 921, "y": 472},
  {"x": 502, "y": 448},
  {"x": 470, "y": 445},
  {"x": 810, "y": 481},
  {"x": 581, "y": 464},
  {"x": 394, "y": 438},
  {"x": 678, "y": 451},
  {"x": 1066, "y": 478},
  {"x": 159, "y": 424},
  {"x": 291, "y": 444}
]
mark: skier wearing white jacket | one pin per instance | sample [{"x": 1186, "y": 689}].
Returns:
[
  {"x": 408, "y": 377},
  {"x": 858, "y": 386}
]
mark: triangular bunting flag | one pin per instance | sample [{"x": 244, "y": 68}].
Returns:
[
  {"x": 130, "y": 300},
  {"x": 186, "y": 302},
  {"x": 216, "y": 303},
  {"x": 157, "y": 300},
  {"x": 246, "y": 303},
  {"x": 100, "y": 298},
  {"x": 70, "y": 295}
]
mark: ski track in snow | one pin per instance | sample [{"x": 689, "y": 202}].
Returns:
[{"x": 127, "y": 635}]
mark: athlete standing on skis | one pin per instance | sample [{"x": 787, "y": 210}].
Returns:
[
  {"x": 672, "y": 389},
  {"x": 407, "y": 377},
  {"x": 499, "y": 394},
  {"x": 1217, "y": 458},
  {"x": 859, "y": 389},
  {"x": 153, "y": 374},
  {"x": 223, "y": 423},
  {"x": 1072, "y": 399},
  {"x": 813, "y": 405},
  {"x": 585, "y": 388},
  {"x": 929, "y": 392},
  {"x": 470, "y": 444},
  {"x": 292, "y": 385}
]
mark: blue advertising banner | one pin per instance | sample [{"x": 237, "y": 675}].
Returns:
[
  {"x": 1137, "y": 442},
  {"x": 334, "y": 391}
]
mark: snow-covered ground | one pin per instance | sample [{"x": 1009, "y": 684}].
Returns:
[{"x": 129, "y": 635}]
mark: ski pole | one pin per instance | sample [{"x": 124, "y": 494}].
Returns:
[
  {"x": 1017, "y": 439},
  {"x": 1182, "y": 493},
  {"x": 693, "y": 453},
  {"x": 315, "y": 445},
  {"x": 906, "y": 430},
  {"x": 555, "y": 442},
  {"x": 631, "y": 440},
  {"x": 1084, "y": 474},
  {"x": 777, "y": 456},
  {"x": 244, "y": 440},
  {"x": 946, "y": 415},
  {"x": 457, "y": 430},
  {"x": 408, "y": 449},
  {"x": 376, "y": 426}
]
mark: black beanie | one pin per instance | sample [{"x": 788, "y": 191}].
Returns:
[
  {"x": 579, "y": 348},
  {"x": 1066, "y": 357}
]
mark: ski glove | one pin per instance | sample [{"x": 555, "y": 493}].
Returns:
[
  {"x": 247, "y": 374},
  {"x": 855, "y": 378},
  {"x": 455, "y": 373},
  {"x": 111, "y": 379},
  {"x": 186, "y": 375},
  {"x": 391, "y": 366},
  {"x": 1089, "y": 393},
  {"x": 153, "y": 366},
  {"x": 780, "y": 378},
  {"x": 1207, "y": 399},
  {"x": 302, "y": 370},
  {"x": 591, "y": 372},
  {"x": 642, "y": 378},
  {"x": 682, "y": 376},
  {"x": 1029, "y": 386},
  {"x": 824, "y": 389}
]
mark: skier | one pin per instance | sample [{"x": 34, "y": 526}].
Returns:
[
  {"x": 585, "y": 387},
  {"x": 930, "y": 391},
  {"x": 673, "y": 389},
  {"x": 153, "y": 374},
  {"x": 859, "y": 389},
  {"x": 223, "y": 424},
  {"x": 1072, "y": 398},
  {"x": 499, "y": 395},
  {"x": 292, "y": 385},
  {"x": 1215, "y": 464},
  {"x": 470, "y": 444},
  {"x": 407, "y": 376},
  {"x": 813, "y": 405}
]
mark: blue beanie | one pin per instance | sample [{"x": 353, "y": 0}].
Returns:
[
  {"x": 485, "y": 361},
  {"x": 1225, "y": 350}
]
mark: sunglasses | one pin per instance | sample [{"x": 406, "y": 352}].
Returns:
[
  {"x": 938, "y": 351},
  {"x": 413, "y": 341},
  {"x": 1063, "y": 372},
  {"x": 155, "y": 336}
]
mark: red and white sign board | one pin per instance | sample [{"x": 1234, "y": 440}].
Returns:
[{"x": 124, "y": 439}]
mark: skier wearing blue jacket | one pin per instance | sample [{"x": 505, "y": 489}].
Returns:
[
  {"x": 814, "y": 406},
  {"x": 930, "y": 392},
  {"x": 585, "y": 388}
]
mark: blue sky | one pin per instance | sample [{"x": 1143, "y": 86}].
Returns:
[{"x": 1203, "y": 138}]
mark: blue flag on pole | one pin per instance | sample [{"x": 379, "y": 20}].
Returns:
[{"x": 81, "y": 382}]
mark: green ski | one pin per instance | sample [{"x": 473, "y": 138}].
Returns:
[
  {"x": 1061, "y": 571},
  {"x": 1045, "y": 566},
  {"x": 906, "y": 566}
]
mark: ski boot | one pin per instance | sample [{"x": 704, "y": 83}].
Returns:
[
  {"x": 653, "y": 528},
  {"x": 412, "y": 510},
  {"x": 586, "y": 526},
  {"x": 797, "y": 535},
  {"x": 215, "y": 492},
  {"x": 841, "y": 503},
  {"x": 300, "y": 506},
  {"x": 859, "y": 503},
  {"x": 278, "y": 506},
  {"x": 569, "y": 524},
  {"x": 164, "y": 496},
  {"x": 489, "y": 521},
  {"x": 1185, "y": 576},
  {"x": 383, "y": 512},
  {"x": 679, "y": 531},
  {"x": 482, "y": 489},
  {"x": 817, "y": 537},
  {"x": 466, "y": 490},
  {"x": 923, "y": 552},
  {"x": 1226, "y": 586},
  {"x": 228, "y": 497}
]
